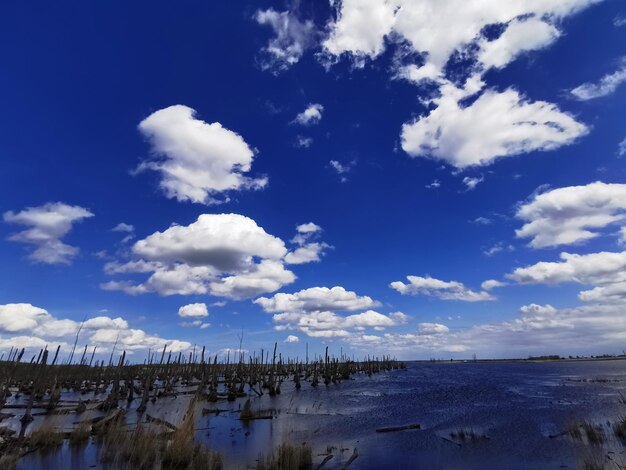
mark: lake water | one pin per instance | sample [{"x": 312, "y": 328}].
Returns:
[{"x": 512, "y": 407}]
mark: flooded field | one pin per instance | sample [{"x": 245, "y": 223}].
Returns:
[{"x": 473, "y": 415}]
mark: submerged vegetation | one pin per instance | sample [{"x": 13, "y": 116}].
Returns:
[
  {"x": 597, "y": 447},
  {"x": 463, "y": 436},
  {"x": 111, "y": 390},
  {"x": 287, "y": 457},
  {"x": 46, "y": 437}
]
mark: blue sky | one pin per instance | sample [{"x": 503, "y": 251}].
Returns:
[{"x": 344, "y": 146}]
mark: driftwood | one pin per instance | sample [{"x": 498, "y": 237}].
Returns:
[
  {"x": 22, "y": 406},
  {"x": 561, "y": 434},
  {"x": 352, "y": 458},
  {"x": 451, "y": 441},
  {"x": 256, "y": 417},
  {"x": 399, "y": 428},
  {"x": 564, "y": 433},
  {"x": 6, "y": 432},
  {"x": 325, "y": 461},
  {"x": 213, "y": 411},
  {"x": 96, "y": 423},
  {"x": 90, "y": 420},
  {"x": 162, "y": 422},
  {"x": 57, "y": 412},
  {"x": 312, "y": 414}
]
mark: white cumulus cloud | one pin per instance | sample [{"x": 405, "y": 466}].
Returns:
[
  {"x": 316, "y": 299},
  {"x": 309, "y": 253},
  {"x": 427, "y": 34},
  {"x": 496, "y": 125},
  {"x": 124, "y": 228},
  {"x": 311, "y": 115},
  {"x": 193, "y": 311},
  {"x": 572, "y": 214},
  {"x": 539, "y": 330},
  {"x": 436, "y": 29},
  {"x": 223, "y": 241},
  {"x": 432, "y": 328},
  {"x": 197, "y": 161},
  {"x": 445, "y": 290},
  {"x": 521, "y": 35},
  {"x": 31, "y": 327},
  {"x": 226, "y": 255},
  {"x": 308, "y": 249},
  {"x": 594, "y": 268},
  {"x": 492, "y": 284},
  {"x": 315, "y": 312}
]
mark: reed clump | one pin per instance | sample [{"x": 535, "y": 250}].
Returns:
[
  {"x": 183, "y": 453},
  {"x": 46, "y": 437},
  {"x": 467, "y": 435},
  {"x": 588, "y": 465},
  {"x": 595, "y": 461},
  {"x": 287, "y": 457},
  {"x": 80, "y": 434},
  {"x": 138, "y": 449},
  {"x": 247, "y": 413},
  {"x": 619, "y": 429},
  {"x": 575, "y": 432},
  {"x": 205, "y": 459},
  {"x": 9, "y": 461},
  {"x": 595, "y": 434},
  {"x": 589, "y": 432}
]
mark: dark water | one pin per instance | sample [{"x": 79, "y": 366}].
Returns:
[
  {"x": 517, "y": 406},
  {"x": 513, "y": 407}
]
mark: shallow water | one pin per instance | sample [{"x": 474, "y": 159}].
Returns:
[{"x": 515, "y": 406}]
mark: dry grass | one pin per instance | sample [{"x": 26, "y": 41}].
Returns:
[
  {"x": 145, "y": 449},
  {"x": 183, "y": 453},
  {"x": 179, "y": 452},
  {"x": 123, "y": 449},
  {"x": 589, "y": 432},
  {"x": 246, "y": 412},
  {"x": 288, "y": 457},
  {"x": 592, "y": 462},
  {"x": 204, "y": 459},
  {"x": 574, "y": 432},
  {"x": 46, "y": 437},
  {"x": 9, "y": 461},
  {"x": 619, "y": 428},
  {"x": 595, "y": 434},
  {"x": 136, "y": 450},
  {"x": 595, "y": 449},
  {"x": 591, "y": 466},
  {"x": 80, "y": 434}
]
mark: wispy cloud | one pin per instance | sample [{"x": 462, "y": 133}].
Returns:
[
  {"x": 47, "y": 225},
  {"x": 604, "y": 87}
]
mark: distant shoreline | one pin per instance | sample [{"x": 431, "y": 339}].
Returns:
[{"x": 511, "y": 361}]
